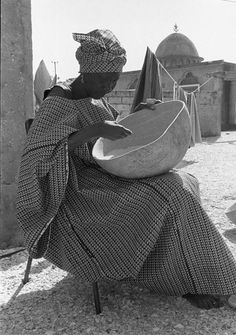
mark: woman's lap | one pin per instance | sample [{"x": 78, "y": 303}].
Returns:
[{"x": 188, "y": 254}]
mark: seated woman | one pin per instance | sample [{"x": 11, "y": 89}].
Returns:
[{"x": 151, "y": 231}]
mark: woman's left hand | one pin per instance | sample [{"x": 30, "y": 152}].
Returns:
[{"x": 149, "y": 104}]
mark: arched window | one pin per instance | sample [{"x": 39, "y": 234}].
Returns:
[{"x": 189, "y": 83}]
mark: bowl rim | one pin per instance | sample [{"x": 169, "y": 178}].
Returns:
[{"x": 142, "y": 146}]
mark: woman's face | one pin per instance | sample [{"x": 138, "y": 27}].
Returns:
[{"x": 99, "y": 84}]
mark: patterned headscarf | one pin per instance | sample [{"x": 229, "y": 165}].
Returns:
[{"x": 100, "y": 51}]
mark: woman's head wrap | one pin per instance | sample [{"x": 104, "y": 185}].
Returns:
[{"x": 100, "y": 51}]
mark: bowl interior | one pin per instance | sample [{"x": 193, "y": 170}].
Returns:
[{"x": 147, "y": 126}]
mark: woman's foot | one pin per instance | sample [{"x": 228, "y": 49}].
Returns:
[{"x": 204, "y": 301}]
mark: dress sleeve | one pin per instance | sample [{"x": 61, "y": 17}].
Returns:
[{"x": 44, "y": 171}]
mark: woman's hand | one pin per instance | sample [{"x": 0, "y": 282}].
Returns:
[
  {"x": 113, "y": 130},
  {"x": 107, "y": 129},
  {"x": 149, "y": 104}
]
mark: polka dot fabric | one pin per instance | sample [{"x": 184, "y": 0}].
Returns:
[{"x": 150, "y": 231}]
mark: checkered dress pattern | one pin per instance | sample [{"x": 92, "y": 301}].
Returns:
[
  {"x": 151, "y": 231},
  {"x": 100, "y": 51}
]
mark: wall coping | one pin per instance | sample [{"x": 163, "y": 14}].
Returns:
[{"x": 121, "y": 93}]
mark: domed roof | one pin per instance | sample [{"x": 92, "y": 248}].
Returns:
[{"x": 177, "y": 49}]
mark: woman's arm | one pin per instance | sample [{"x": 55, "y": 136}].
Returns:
[{"x": 106, "y": 129}]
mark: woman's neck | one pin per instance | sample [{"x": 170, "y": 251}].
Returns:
[{"x": 78, "y": 89}]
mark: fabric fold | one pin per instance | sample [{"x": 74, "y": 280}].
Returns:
[
  {"x": 190, "y": 101},
  {"x": 195, "y": 123},
  {"x": 43, "y": 172},
  {"x": 149, "y": 82}
]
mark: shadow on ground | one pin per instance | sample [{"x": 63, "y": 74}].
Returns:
[
  {"x": 218, "y": 142},
  {"x": 68, "y": 308},
  {"x": 225, "y": 137}
]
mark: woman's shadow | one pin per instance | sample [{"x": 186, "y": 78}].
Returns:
[{"x": 69, "y": 306}]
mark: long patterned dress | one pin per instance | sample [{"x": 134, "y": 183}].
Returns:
[{"x": 152, "y": 231}]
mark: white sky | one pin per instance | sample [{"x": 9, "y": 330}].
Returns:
[{"x": 209, "y": 24}]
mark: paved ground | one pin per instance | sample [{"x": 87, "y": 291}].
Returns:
[{"x": 55, "y": 303}]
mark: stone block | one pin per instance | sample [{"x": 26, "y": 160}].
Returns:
[
  {"x": 114, "y": 100},
  {"x": 127, "y": 100}
]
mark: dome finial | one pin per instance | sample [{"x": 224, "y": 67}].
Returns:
[{"x": 176, "y": 29}]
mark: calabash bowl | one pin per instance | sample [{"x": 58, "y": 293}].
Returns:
[{"x": 158, "y": 143}]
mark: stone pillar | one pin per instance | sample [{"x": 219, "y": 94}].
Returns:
[
  {"x": 232, "y": 103},
  {"x": 16, "y": 106}
]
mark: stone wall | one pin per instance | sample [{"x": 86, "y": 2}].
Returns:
[
  {"x": 121, "y": 101},
  {"x": 209, "y": 98},
  {"x": 212, "y": 101},
  {"x": 16, "y": 107},
  {"x": 230, "y": 79},
  {"x": 232, "y": 103}
]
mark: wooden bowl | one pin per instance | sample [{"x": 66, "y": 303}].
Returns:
[{"x": 159, "y": 141}]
